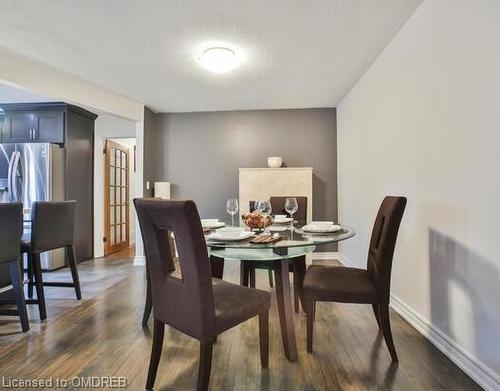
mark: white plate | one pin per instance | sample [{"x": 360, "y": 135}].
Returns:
[
  {"x": 212, "y": 224},
  {"x": 313, "y": 229},
  {"x": 221, "y": 237}
]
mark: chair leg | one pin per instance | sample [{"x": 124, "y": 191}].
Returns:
[
  {"x": 158, "y": 332},
  {"x": 310, "y": 314},
  {"x": 16, "y": 279},
  {"x": 299, "y": 271},
  {"x": 295, "y": 293},
  {"x": 30, "y": 275},
  {"x": 386, "y": 329},
  {"x": 148, "y": 306},
  {"x": 70, "y": 250},
  {"x": 377, "y": 315},
  {"x": 252, "y": 277},
  {"x": 270, "y": 275},
  {"x": 205, "y": 365},
  {"x": 264, "y": 338},
  {"x": 244, "y": 270},
  {"x": 40, "y": 295}
]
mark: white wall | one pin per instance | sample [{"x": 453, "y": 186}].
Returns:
[
  {"x": 424, "y": 122},
  {"x": 34, "y": 76},
  {"x": 106, "y": 126}
]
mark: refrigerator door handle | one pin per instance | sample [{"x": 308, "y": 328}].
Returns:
[
  {"x": 13, "y": 179},
  {"x": 9, "y": 176}
]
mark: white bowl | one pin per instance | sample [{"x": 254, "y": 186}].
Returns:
[{"x": 274, "y": 161}]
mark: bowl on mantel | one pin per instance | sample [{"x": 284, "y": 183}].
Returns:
[{"x": 275, "y": 161}]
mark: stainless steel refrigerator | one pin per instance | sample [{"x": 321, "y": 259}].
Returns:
[{"x": 32, "y": 172}]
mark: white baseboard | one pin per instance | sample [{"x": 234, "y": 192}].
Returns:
[
  {"x": 139, "y": 260},
  {"x": 479, "y": 372}
]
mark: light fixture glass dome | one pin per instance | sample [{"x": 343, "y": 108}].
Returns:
[{"x": 219, "y": 59}]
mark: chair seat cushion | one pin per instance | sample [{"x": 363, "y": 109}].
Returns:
[
  {"x": 235, "y": 304},
  {"x": 341, "y": 284}
]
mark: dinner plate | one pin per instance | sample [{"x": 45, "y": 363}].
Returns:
[
  {"x": 313, "y": 229},
  {"x": 222, "y": 238}
]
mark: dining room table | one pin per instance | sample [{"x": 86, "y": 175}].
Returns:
[{"x": 293, "y": 242}]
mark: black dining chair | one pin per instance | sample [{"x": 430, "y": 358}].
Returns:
[
  {"x": 11, "y": 230},
  {"x": 52, "y": 227},
  {"x": 297, "y": 266},
  {"x": 185, "y": 296},
  {"x": 363, "y": 286}
]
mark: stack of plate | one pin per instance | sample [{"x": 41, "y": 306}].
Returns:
[
  {"x": 282, "y": 219},
  {"x": 211, "y": 223},
  {"x": 230, "y": 234},
  {"x": 321, "y": 227}
]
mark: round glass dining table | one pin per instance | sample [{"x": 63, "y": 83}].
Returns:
[{"x": 294, "y": 244}]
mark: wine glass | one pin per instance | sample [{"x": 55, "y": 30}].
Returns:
[
  {"x": 265, "y": 209},
  {"x": 232, "y": 208},
  {"x": 257, "y": 205},
  {"x": 291, "y": 206}
]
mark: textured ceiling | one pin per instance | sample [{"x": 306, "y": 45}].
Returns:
[{"x": 299, "y": 53}]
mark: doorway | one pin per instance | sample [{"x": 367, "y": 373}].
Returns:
[{"x": 116, "y": 197}]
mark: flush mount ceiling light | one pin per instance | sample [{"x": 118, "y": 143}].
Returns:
[{"x": 219, "y": 59}]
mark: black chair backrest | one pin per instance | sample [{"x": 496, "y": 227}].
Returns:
[
  {"x": 186, "y": 304},
  {"x": 382, "y": 243},
  {"x": 278, "y": 205},
  {"x": 11, "y": 230},
  {"x": 52, "y": 225}
]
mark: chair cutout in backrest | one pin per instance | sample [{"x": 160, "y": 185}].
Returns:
[
  {"x": 186, "y": 304},
  {"x": 382, "y": 243},
  {"x": 52, "y": 225}
]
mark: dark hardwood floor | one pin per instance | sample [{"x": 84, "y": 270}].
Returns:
[{"x": 102, "y": 336}]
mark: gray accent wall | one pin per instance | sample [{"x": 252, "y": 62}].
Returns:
[
  {"x": 201, "y": 153},
  {"x": 153, "y": 151}
]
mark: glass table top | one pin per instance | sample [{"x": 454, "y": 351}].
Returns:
[{"x": 290, "y": 239}]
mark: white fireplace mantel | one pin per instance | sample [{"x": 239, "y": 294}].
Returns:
[{"x": 262, "y": 183}]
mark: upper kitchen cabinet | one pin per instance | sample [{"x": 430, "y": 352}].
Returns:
[{"x": 38, "y": 122}]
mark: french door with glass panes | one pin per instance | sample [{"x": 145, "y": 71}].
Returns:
[{"x": 116, "y": 197}]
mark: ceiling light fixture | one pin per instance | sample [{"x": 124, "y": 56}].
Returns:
[{"x": 219, "y": 59}]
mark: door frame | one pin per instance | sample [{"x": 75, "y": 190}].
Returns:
[{"x": 108, "y": 248}]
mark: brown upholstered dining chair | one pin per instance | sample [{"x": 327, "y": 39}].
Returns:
[
  {"x": 353, "y": 285},
  {"x": 11, "y": 229},
  {"x": 189, "y": 299},
  {"x": 297, "y": 266},
  {"x": 52, "y": 227}
]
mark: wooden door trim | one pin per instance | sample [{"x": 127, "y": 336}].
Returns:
[{"x": 108, "y": 247}]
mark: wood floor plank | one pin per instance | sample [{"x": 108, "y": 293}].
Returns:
[{"x": 102, "y": 336}]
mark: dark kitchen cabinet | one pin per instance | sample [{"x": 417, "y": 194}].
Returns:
[
  {"x": 19, "y": 126},
  {"x": 50, "y": 127},
  {"x": 33, "y": 122}
]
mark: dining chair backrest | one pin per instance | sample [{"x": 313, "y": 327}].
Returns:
[
  {"x": 382, "y": 243},
  {"x": 52, "y": 225},
  {"x": 11, "y": 230},
  {"x": 278, "y": 206},
  {"x": 186, "y": 303}
]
